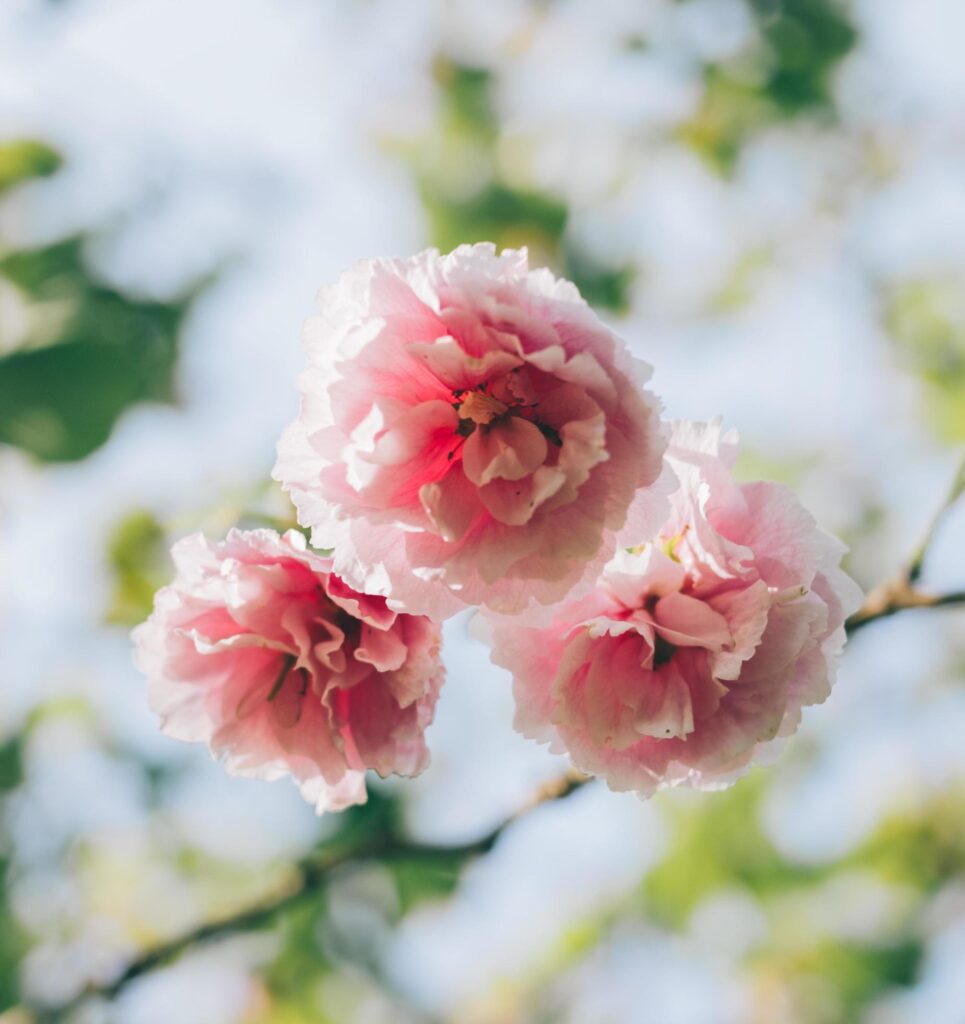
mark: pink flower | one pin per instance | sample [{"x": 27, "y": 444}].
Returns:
[
  {"x": 260, "y": 651},
  {"x": 470, "y": 433},
  {"x": 698, "y": 649}
]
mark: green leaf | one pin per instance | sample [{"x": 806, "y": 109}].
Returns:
[
  {"x": 137, "y": 551},
  {"x": 718, "y": 843},
  {"x": 495, "y": 213},
  {"x": 11, "y": 765},
  {"x": 926, "y": 319},
  {"x": 467, "y": 94},
  {"x": 805, "y": 40},
  {"x": 24, "y": 159},
  {"x": 420, "y": 881},
  {"x": 92, "y": 353},
  {"x": 785, "y": 73},
  {"x": 13, "y": 942}
]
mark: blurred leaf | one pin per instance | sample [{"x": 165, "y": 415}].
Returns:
[
  {"x": 729, "y": 112},
  {"x": 24, "y": 159},
  {"x": 742, "y": 281},
  {"x": 468, "y": 100},
  {"x": 861, "y": 973},
  {"x": 497, "y": 214},
  {"x": 378, "y": 817},
  {"x": 419, "y": 881},
  {"x": 93, "y": 353},
  {"x": 605, "y": 287},
  {"x": 61, "y": 403},
  {"x": 11, "y": 765},
  {"x": 293, "y": 975},
  {"x": 468, "y": 199},
  {"x": 923, "y": 850},
  {"x": 13, "y": 941},
  {"x": 805, "y": 40},
  {"x": 784, "y": 73},
  {"x": 927, "y": 321},
  {"x": 137, "y": 552},
  {"x": 13, "y": 945},
  {"x": 834, "y": 982},
  {"x": 717, "y": 844}
]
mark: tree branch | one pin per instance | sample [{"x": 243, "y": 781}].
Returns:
[
  {"x": 917, "y": 561},
  {"x": 902, "y": 593},
  {"x": 898, "y": 596},
  {"x": 311, "y": 875}
]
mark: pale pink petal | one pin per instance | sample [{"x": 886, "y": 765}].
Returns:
[
  {"x": 256, "y": 648},
  {"x": 699, "y": 646},
  {"x": 384, "y": 649},
  {"x": 467, "y": 362},
  {"x": 510, "y": 449},
  {"x": 667, "y": 709},
  {"x": 456, "y": 368},
  {"x": 687, "y": 622},
  {"x": 452, "y": 504}
]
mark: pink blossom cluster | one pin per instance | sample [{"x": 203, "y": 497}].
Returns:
[{"x": 471, "y": 435}]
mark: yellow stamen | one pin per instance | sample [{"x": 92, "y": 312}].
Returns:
[
  {"x": 669, "y": 546},
  {"x": 481, "y": 408}
]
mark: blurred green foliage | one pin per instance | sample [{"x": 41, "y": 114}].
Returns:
[
  {"x": 469, "y": 197},
  {"x": 785, "y": 72},
  {"x": 833, "y": 982},
  {"x": 924, "y": 848},
  {"x": 138, "y": 546},
  {"x": 292, "y": 978},
  {"x": 299, "y": 980},
  {"x": 926, "y": 319},
  {"x": 86, "y": 351},
  {"x": 13, "y": 941},
  {"x": 137, "y": 553},
  {"x": 92, "y": 352},
  {"x": 24, "y": 159},
  {"x": 802, "y": 42},
  {"x": 716, "y": 844}
]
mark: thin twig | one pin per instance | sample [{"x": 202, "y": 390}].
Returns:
[
  {"x": 902, "y": 593},
  {"x": 898, "y": 596},
  {"x": 311, "y": 875},
  {"x": 917, "y": 561}
]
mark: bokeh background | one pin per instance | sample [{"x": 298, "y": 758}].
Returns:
[{"x": 767, "y": 200}]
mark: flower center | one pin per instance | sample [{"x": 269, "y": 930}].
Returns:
[
  {"x": 480, "y": 407},
  {"x": 669, "y": 545}
]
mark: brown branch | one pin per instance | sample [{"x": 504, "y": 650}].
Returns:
[
  {"x": 902, "y": 593},
  {"x": 917, "y": 561},
  {"x": 897, "y": 596},
  {"x": 311, "y": 875}
]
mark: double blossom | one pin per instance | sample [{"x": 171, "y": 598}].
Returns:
[
  {"x": 700, "y": 646},
  {"x": 260, "y": 651},
  {"x": 470, "y": 434}
]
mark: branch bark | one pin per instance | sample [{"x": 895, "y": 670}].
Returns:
[
  {"x": 311, "y": 875},
  {"x": 903, "y": 593},
  {"x": 898, "y": 596},
  {"x": 917, "y": 561}
]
